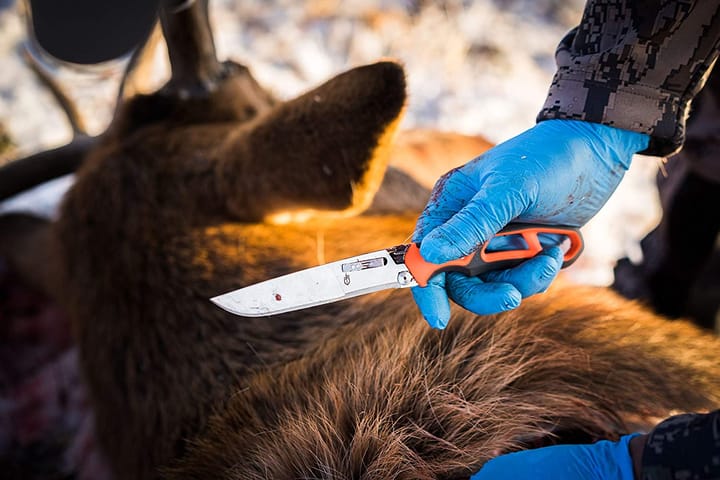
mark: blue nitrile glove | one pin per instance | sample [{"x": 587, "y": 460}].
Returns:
[
  {"x": 603, "y": 460},
  {"x": 557, "y": 172}
]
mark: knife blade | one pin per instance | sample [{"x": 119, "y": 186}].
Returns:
[{"x": 400, "y": 266}]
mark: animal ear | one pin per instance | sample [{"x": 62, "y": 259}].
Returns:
[
  {"x": 326, "y": 150},
  {"x": 25, "y": 245}
]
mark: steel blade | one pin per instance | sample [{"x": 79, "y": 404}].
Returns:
[{"x": 319, "y": 285}]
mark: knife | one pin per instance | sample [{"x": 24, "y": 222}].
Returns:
[{"x": 400, "y": 266}]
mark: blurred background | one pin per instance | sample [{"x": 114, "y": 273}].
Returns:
[{"x": 475, "y": 67}]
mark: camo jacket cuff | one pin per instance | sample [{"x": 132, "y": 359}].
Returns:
[
  {"x": 636, "y": 66},
  {"x": 683, "y": 447}
]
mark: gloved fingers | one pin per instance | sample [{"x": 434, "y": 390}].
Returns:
[
  {"x": 479, "y": 297},
  {"x": 451, "y": 192},
  {"x": 433, "y": 301},
  {"x": 532, "y": 276},
  {"x": 489, "y": 210},
  {"x": 522, "y": 465},
  {"x": 600, "y": 460},
  {"x": 504, "y": 292}
]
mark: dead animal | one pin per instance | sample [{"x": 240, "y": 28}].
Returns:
[{"x": 211, "y": 184}]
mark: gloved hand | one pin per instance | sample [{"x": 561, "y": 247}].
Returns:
[
  {"x": 602, "y": 460},
  {"x": 557, "y": 172}
]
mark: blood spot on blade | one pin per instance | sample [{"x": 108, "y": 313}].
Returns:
[{"x": 278, "y": 297}]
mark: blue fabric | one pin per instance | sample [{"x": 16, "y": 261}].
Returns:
[
  {"x": 557, "y": 172},
  {"x": 603, "y": 460}
]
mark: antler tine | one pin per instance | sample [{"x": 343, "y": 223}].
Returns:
[
  {"x": 24, "y": 173},
  {"x": 186, "y": 27},
  {"x": 75, "y": 118}
]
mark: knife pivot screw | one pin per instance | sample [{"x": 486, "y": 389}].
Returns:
[
  {"x": 346, "y": 279},
  {"x": 404, "y": 278}
]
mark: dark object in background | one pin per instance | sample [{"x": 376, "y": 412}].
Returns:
[
  {"x": 77, "y": 33},
  {"x": 90, "y": 31},
  {"x": 680, "y": 272}
]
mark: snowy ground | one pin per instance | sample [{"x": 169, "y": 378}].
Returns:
[{"x": 479, "y": 67}]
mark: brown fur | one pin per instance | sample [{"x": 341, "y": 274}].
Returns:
[
  {"x": 139, "y": 233},
  {"x": 175, "y": 206},
  {"x": 386, "y": 397},
  {"x": 428, "y": 154}
]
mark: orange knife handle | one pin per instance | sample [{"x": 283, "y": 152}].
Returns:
[{"x": 481, "y": 261}]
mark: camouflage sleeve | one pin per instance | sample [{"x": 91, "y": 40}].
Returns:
[
  {"x": 684, "y": 447},
  {"x": 636, "y": 65}
]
